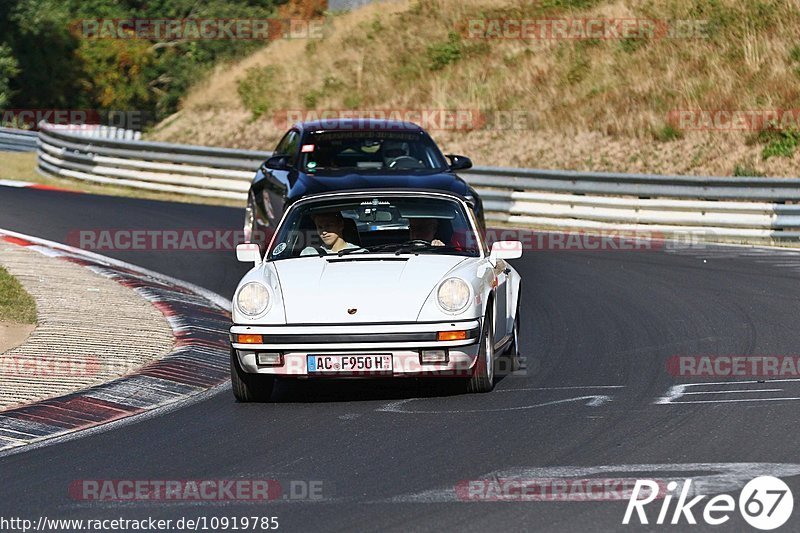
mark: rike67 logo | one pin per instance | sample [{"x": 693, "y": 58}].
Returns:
[{"x": 765, "y": 503}]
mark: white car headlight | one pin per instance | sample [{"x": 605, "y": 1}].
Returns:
[
  {"x": 253, "y": 299},
  {"x": 453, "y": 294}
]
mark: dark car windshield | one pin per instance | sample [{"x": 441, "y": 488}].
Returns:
[
  {"x": 371, "y": 225},
  {"x": 365, "y": 151}
]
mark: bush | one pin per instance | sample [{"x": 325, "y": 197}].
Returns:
[
  {"x": 255, "y": 89},
  {"x": 745, "y": 170},
  {"x": 778, "y": 143},
  {"x": 667, "y": 133},
  {"x": 311, "y": 98},
  {"x": 794, "y": 58},
  {"x": 446, "y": 52}
]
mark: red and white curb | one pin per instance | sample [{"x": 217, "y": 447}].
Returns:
[
  {"x": 30, "y": 185},
  {"x": 200, "y": 360}
]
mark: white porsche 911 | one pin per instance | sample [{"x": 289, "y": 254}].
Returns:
[{"x": 380, "y": 283}]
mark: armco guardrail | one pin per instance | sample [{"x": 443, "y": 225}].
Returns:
[
  {"x": 12, "y": 140},
  {"x": 185, "y": 169},
  {"x": 724, "y": 208}
]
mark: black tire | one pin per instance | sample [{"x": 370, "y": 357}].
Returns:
[
  {"x": 251, "y": 225},
  {"x": 512, "y": 352},
  {"x": 482, "y": 379},
  {"x": 249, "y": 387}
]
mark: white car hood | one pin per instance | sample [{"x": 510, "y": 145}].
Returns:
[{"x": 320, "y": 290}]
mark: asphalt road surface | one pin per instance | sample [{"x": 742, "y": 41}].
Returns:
[{"x": 598, "y": 330}]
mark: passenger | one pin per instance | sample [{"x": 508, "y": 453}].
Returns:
[
  {"x": 424, "y": 229},
  {"x": 330, "y": 227}
]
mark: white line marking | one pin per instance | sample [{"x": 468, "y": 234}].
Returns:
[
  {"x": 14, "y": 183},
  {"x": 396, "y": 407},
  {"x": 738, "y": 400},
  {"x": 566, "y": 388},
  {"x": 725, "y": 477},
  {"x": 731, "y": 391},
  {"x": 677, "y": 391}
]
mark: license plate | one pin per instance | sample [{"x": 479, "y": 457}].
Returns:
[{"x": 349, "y": 364}]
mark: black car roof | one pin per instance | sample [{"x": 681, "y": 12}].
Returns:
[
  {"x": 386, "y": 191},
  {"x": 438, "y": 181},
  {"x": 357, "y": 124}
]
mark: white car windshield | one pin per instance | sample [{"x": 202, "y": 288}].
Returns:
[{"x": 371, "y": 225}]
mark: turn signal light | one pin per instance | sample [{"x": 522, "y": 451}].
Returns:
[
  {"x": 269, "y": 359},
  {"x": 433, "y": 356},
  {"x": 248, "y": 338},
  {"x": 451, "y": 336}
]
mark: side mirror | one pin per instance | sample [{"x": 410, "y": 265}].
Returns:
[
  {"x": 505, "y": 250},
  {"x": 459, "y": 162},
  {"x": 248, "y": 253},
  {"x": 277, "y": 162}
]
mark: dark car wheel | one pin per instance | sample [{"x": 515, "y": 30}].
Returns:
[
  {"x": 482, "y": 379},
  {"x": 513, "y": 352},
  {"x": 250, "y": 226},
  {"x": 249, "y": 387}
]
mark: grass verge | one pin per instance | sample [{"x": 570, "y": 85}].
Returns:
[{"x": 16, "y": 305}]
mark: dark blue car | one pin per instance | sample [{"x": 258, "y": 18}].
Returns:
[{"x": 349, "y": 154}]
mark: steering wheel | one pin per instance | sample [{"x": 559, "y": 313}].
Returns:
[{"x": 405, "y": 161}]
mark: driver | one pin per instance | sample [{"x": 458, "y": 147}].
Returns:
[
  {"x": 424, "y": 229},
  {"x": 330, "y": 227},
  {"x": 396, "y": 154}
]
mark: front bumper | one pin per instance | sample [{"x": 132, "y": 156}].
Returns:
[{"x": 403, "y": 342}]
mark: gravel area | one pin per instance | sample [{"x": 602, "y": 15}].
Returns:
[{"x": 90, "y": 329}]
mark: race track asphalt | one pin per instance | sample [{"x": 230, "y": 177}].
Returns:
[{"x": 598, "y": 329}]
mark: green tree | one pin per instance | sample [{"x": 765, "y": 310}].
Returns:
[
  {"x": 8, "y": 69},
  {"x": 49, "y": 63}
]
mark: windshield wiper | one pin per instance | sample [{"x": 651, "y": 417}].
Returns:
[
  {"x": 346, "y": 251},
  {"x": 388, "y": 247},
  {"x": 424, "y": 246},
  {"x": 415, "y": 246}
]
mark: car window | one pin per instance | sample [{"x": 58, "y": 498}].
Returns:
[
  {"x": 288, "y": 146},
  {"x": 403, "y": 224},
  {"x": 291, "y": 147},
  {"x": 336, "y": 151},
  {"x": 281, "y": 148}
]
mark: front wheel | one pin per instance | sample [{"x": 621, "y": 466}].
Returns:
[
  {"x": 482, "y": 379},
  {"x": 513, "y": 352},
  {"x": 249, "y": 387}
]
